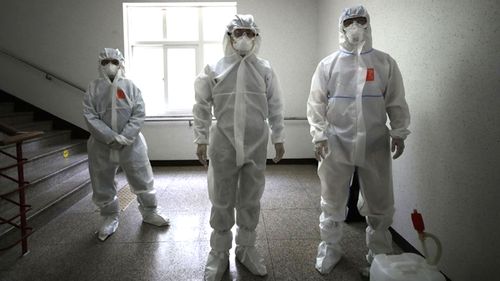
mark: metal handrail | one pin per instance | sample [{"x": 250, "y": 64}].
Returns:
[
  {"x": 14, "y": 136},
  {"x": 17, "y": 137},
  {"x": 48, "y": 75}
]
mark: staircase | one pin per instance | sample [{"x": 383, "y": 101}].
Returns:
[{"x": 56, "y": 166}]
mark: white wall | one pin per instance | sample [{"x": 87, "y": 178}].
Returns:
[
  {"x": 448, "y": 53},
  {"x": 290, "y": 46},
  {"x": 288, "y": 42},
  {"x": 65, "y": 37}
]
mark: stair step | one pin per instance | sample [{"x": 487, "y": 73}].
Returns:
[
  {"x": 39, "y": 219},
  {"x": 47, "y": 160},
  {"x": 57, "y": 166},
  {"x": 35, "y": 126},
  {"x": 16, "y": 117},
  {"x": 5, "y": 97},
  {"x": 6, "y": 107},
  {"x": 39, "y": 216},
  {"x": 43, "y": 126},
  {"x": 49, "y": 140},
  {"x": 42, "y": 192},
  {"x": 39, "y": 193},
  {"x": 45, "y": 165},
  {"x": 53, "y": 193}
]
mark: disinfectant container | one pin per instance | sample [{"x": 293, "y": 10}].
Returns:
[
  {"x": 404, "y": 267},
  {"x": 409, "y": 266}
]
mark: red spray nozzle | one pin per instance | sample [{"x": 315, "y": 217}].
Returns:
[{"x": 418, "y": 221}]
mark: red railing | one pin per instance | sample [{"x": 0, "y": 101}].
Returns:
[{"x": 16, "y": 137}]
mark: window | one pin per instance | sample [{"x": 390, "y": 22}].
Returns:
[{"x": 167, "y": 45}]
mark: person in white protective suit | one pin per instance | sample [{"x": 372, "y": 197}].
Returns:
[
  {"x": 352, "y": 92},
  {"x": 114, "y": 112},
  {"x": 243, "y": 91}
]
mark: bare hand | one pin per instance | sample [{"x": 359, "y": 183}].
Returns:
[
  {"x": 201, "y": 152},
  {"x": 397, "y": 145},
  {"x": 280, "y": 151}
]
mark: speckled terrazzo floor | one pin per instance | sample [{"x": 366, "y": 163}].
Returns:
[{"x": 288, "y": 235}]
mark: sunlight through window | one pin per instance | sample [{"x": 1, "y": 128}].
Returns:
[{"x": 167, "y": 45}]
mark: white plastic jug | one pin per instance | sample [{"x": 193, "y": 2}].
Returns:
[{"x": 404, "y": 267}]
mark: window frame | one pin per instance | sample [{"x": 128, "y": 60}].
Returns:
[{"x": 197, "y": 45}]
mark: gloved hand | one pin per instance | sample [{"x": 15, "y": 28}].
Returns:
[
  {"x": 201, "y": 152},
  {"x": 115, "y": 145},
  {"x": 280, "y": 150},
  {"x": 123, "y": 140},
  {"x": 397, "y": 145},
  {"x": 321, "y": 150}
]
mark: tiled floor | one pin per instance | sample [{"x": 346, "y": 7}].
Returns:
[{"x": 288, "y": 235}]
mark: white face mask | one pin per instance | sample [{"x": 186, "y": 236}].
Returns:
[
  {"x": 111, "y": 69},
  {"x": 243, "y": 44},
  {"x": 355, "y": 33}
]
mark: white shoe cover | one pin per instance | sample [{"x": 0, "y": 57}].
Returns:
[
  {"x": 108, "y": 227},
  {"x": 251, "y": 259},
  {"x": 154, "y": 217},
  {"x": 328, "y": 256},
  {"x": 217, "y": 264}
]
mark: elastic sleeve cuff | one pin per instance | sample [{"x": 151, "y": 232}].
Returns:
[
  {"x": 201, "y": 140},
  {"x": 109, "y": 139},
  {"x": 278, "y": 140},
  {"x": 399, "y": 133},
  {"x": 319, "y": 136},
  {"x": 277, "y": 137}
]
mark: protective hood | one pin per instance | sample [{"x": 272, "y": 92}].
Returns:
[
  {"x": 354, "y": 12},
  {"x": 109, "y": 53},
  {"x": 241, "y": 21}
]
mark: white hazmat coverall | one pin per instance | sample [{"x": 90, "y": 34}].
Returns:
[
  {"x": 352, "y": 92},
  {"x": 114, "y": 113},
  {"x": 244, "y": 94}
]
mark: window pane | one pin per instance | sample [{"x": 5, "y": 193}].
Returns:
[
  {"x": 145, "y": 23},
  {"x": 181, "y": 68},
  {"x": 212, "y": 53},
  {"x": 215, "y": 20},
  {"x": 147, "y": 72},
  {"x": 165, "y": 70},
  {"x": 182, "y": 24}
]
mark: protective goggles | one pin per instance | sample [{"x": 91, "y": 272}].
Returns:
[
  {"x": 360, "y": 20},
  {"x": 240, "y": 31},
  {"x": 113, "y": 61}
]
